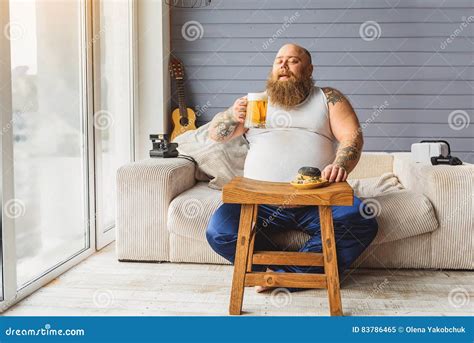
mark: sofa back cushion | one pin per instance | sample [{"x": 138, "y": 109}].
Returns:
[{"x": 372, "y": 164}]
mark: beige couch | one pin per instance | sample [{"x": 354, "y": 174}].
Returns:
[{"x": 425, "y": 213}]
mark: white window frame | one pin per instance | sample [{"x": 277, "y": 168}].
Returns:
[
  {"x": 154, "y": 92},
  {"x": 6, "y": 141},
  {"x": 11, "y": 294},
  {"x": 161, "y": 95},
  {"x": 105, "y": 236}
]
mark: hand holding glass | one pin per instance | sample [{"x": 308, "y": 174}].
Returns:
[{"x": 256, "y": 110}]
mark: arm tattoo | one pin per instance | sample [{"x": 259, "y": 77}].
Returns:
[
  {"x": 224, "y": 125},
  {"x": 333, "y": 95},
  {"x": 348, "y": 154}
]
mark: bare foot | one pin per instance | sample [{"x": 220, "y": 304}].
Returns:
[{"x": 260, "y": 289}]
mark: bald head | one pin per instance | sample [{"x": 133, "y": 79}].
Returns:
[
  {"x": 291, "y": 79},
  {"x": 295, "y": 48},
  {"x": 292, "y": 59}
]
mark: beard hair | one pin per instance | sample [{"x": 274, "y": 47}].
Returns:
[{"x": 287, "y": 94}]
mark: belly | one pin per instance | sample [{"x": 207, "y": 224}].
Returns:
[{"x": 277, "y": 154}]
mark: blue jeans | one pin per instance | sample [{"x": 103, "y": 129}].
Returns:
[{"x": 353, "y": 232}]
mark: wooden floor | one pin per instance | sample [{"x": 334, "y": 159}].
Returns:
[{"x": 103, "y": 286}]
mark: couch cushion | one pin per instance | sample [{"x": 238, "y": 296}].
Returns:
[
  {"x": 400, "y": 213},
  {"x": 374, "y": 186},
  {"x": 372, "y": 164},
  {"x": 189, "y": 214}
]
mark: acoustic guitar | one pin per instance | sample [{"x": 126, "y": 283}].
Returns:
[{"x": 183, "y": 118}]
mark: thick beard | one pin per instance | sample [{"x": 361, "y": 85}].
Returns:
[{"x": 287, "y": 94}]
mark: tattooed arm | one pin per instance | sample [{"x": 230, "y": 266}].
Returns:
[
  {"x": 230, "y": 123},
  {"x": 346, "y": 128}
]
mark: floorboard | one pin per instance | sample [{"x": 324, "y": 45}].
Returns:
[{"x": 103, "y": 286}]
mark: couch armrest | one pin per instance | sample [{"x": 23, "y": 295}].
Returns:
[
  {"x": 144, "y": 191},
  {"x": 450, "y": 189}
]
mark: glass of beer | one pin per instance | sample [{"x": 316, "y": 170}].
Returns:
[{"x": 256, "y": 110}]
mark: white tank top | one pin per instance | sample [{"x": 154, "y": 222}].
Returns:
[{"x": 292, "y": 139}]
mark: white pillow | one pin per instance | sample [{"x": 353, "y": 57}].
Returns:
[
  {"x": 400, "y": 213},
  {"x": 217, "y": 162},
  {"x": 374, "y": 186}
]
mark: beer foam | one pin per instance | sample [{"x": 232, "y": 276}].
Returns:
[{"x": 257, "y": 96}]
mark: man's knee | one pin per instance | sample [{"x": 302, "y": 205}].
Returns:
[
  {"x": 223, "y": 225},
  {"x": 357, "y": 209},
  {"x": 360, "y": 210},
  {"x": 213, "y": 232},
  {"x": 363, "y": 234},
  {"x": 367, "y": 213}
]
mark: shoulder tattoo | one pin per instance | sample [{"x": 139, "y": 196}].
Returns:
[{"x": 333, "y": 95}]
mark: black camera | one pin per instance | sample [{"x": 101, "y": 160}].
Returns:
[
  {"x": 435, "y": 160},
  {"x": 162, "y": 146}
]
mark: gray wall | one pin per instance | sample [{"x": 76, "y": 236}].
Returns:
[{"x": 401, "y": 74}]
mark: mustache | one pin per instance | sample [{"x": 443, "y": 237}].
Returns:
[{"x": 286, "y": 73}]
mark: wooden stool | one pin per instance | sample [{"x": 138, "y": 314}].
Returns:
[{"x": 250, "y": 193}]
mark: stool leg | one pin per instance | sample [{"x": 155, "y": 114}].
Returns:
[
  {"x": 240, "y": 262},
  {"x": 253, "y": 233},
  {"x": 330, "y": 260}
]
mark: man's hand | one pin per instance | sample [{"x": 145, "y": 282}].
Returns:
[
  {"x": 239, "y": 109},
  {"x": 229, "y": 124},
  {"x": 334, "y": 173}
]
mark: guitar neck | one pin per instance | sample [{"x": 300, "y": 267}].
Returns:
[{"x": 181, "y": 100}]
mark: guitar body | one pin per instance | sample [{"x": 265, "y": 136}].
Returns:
[
  {"x": 183, "y": 118},
  {"x": 182, "y": 124}
]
